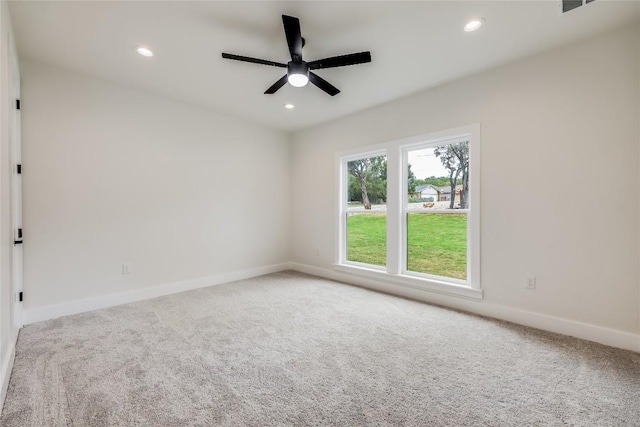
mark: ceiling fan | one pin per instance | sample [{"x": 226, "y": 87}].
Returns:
[{"x": 298, "y": 71}]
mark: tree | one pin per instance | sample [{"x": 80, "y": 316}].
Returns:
[
  {"x": 440, "y": 181},
  {"x": 361, "y": 170},
  {"x": 355, "y": 191},
  {"x": 455, "y": 158},
  {"x": 368, "y": 180},
  {"x": 377, "y": 183},
  {"x": 411, "y": 180}
]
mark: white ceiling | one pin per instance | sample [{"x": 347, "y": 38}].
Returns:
[{"x": 414, "y": 45}]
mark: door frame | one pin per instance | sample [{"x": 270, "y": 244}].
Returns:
[{"x": 15, "y": 147}]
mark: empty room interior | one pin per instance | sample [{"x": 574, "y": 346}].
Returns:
[{"x": 305, "y": 213}]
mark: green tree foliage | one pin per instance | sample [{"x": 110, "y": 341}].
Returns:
[
  {"x": 412, "y": 182},
  {"x": 368, "y": 180},
  {"x": 366, "y": 174},
  {"x": 455, "y": 158},
  {"x": 436, "y": 181}
]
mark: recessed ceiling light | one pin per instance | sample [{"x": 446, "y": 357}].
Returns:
[
  {"x": 144, "y": 51},
  {"x": 474, "y": 24},
  {"x": 289, "y": 106}
]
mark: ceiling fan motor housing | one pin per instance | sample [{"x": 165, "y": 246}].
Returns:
[
  {"x": 297, "y": 68},
  {"x": 298, "y": 73}
]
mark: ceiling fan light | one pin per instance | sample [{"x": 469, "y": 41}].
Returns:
[
  {"x": 297, "y": 74},
  {"x": 298, "y": 80}
]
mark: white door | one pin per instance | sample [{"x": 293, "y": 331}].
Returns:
[{"x": 16, "y": 186}]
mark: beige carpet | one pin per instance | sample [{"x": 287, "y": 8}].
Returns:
[{"x": 289, "y": 349}]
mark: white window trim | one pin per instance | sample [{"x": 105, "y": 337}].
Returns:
[
  {"x": 395, "y": 272},
  {"x": 341, "y": 248}
]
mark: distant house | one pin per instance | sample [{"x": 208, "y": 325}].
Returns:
[
  {"x": 445, "y": 194},
  {"x": 425, "y": 192}
]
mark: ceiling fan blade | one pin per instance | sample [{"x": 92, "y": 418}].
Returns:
[
  {"x": 294, "y": 37},
  {"x": 253, "y": 60},
  {"x": 323, "y": 84},
  {"x": 277, "y": 85},
  {"x": 341, "y": 61}
]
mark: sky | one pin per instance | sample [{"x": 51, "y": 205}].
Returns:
[{"x": 425, "y": 164}]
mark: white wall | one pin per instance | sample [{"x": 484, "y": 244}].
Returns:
[
  {"x": 8, "y": 330},
  {"x": 556, "y": 129},
  {"x": 113, "y": 175}
]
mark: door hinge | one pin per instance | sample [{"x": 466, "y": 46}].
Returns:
[
  {"x": 18, "y": 238},
  {"x": 19, "y": 169},
  {"x": 17, "y": 104},
  {"x": 20, "y": 296}
]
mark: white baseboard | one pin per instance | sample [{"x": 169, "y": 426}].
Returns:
[
  {"x": 5, "y": 374},
  {"x": 607, "y": 336},
  {"x": 54, "y": 311}
]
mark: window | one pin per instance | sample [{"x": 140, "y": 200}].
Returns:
[
  {"x": 365, "y": 211},
  {"x": 409, "y": 212},
  {"x": 436, "y": 231}
]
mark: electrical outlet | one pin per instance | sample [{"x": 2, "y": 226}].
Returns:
[
  {"x": 126, "y": 269},
  {"x": 530, "y": 283}
]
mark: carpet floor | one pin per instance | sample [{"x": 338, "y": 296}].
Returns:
[{"x": 289, "y": 349}]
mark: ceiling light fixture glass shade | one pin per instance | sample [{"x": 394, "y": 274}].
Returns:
[
  {"x": 473, "y": 25},
  {"x": 297, "y": 74},
  {"x": 298, "y": 80}
]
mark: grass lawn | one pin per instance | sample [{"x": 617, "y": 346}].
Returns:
[
  {"x": 437, "y": 243},
  {"x": 367, "y": 238}
]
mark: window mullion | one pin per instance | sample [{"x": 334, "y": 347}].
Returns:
[
  {"x": 394, "y": 210},
  {"x": 341, "y": 242},
  {"x": 404, "y": 200}
]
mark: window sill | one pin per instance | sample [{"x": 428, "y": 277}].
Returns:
[{"x": 427, "y": 285}]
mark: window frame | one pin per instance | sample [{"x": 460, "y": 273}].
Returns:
[
  {"x": 396, "y": 272},
  {"x": 405, "y": 211},
  {"x": 344, "y": 205}
]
